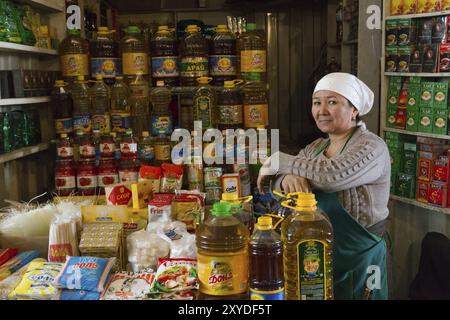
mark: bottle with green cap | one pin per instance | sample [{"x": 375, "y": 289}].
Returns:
[
  {"x": 193, "y": 50},
  {"x": 74, "y": 56},
  {"x": 266, "y": 262},
  {"x": 164, "y": 57},
  {"x": 229, "y": 106},
  {"x": 242, "y": 209},
  {"x": 105, "y": 55},
  {"x": 222, "y": 56},
  {"x": 133, "y": 52},
  {"x": 307, "y": 237},
  {"x": 222, "y": 255},
  {"x": 252, "y": 50}
]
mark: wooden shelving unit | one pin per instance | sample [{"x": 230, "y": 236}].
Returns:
[
  {"x": 50, "y": 6},
  {"x": 22, "y": 101},
  {"x": 420, "y": 204},
  {"x": 23, "y": 152},
  {"x": 417, "y": 134},
  {"x": 21, "y": 48}
]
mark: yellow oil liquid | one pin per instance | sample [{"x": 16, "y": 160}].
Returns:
[{"x": 301, "y": 227}]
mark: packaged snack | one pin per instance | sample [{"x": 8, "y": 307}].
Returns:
[
  {"x": 160, "y": 208},
  {"x": 6, "y": 254},
  {"x": 37, "y": 282},
  {"x": 142, "y": 193},
  {"x": 16, "y": 263},
  {"x": 188, "y": 207},
  {"x": 85, "y": 273},
  {"x": 63, "y": 240},
  {"x": 152, "y": 174},
  {"x": 65, "y": 294},
  {"x": 409, "y": 6},
  {"x": 182, "y": 243},
  {"x": 396, "y": 7},
  {"x": 425, "y": 6},
  {"x": 172, "y": 177},
  {"x": 145, "y": 249},
  {"x": 175, "y": 275},
  {"x": 129, "y": 286}
]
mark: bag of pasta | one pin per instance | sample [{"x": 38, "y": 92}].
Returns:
[
  {"x": 189, "y": 207},
  {"x": 172, "y": 178}
]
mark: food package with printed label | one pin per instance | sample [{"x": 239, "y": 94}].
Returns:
[{"x": 175, "y": 275}]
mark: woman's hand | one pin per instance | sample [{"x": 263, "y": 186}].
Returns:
[{"x": 292, "y": 184}]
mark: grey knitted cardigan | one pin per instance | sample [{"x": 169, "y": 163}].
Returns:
[{"x": 360, "y": 174}]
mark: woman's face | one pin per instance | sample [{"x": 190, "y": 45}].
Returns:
[{"x": 332, "y": 112}]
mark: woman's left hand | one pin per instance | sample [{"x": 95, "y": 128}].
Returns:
[{"x": 292, "y": 184}]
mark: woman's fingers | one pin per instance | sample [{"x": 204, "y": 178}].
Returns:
[{"x": 292, "y": 184}]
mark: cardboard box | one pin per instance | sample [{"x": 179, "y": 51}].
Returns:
[
  {"x": 439, "y": 32},
  {"x": 425, "y": 6},
  {"x": 425, "y": 30},
  {"x": 435, "y": 146},
  {"x": 409, "y": 163},
  {"x": 406, "y": 32},
  {"x": 430, "y": 57},
  {"x": 440, "y": 170},
  {"x": 440, "y": 95},
  {"x": 416, "y": 59},
  {"x": 412, "y": 121},
  {"x": 444, "y": 57},
  {"x": 400, "y": 118},
  {"x": 427, "y": 95},
  {"x": 393, "y": 136},
  {"x": 391, "y": 59},
  {"x": 404, "y": 56},
  {"x": 414, "y": 96},
  {"x": 437, "y": 194},
  {"x": 440, "y": 121},
  {"x": 406, "y": 185},
  {"x": 423, "y": 188},
  {"x": 390, "y": 118},
  {"x": 393, "y": 95},
  {"x": 426, "y": 120},
  {"x": 392, "y": 32},
  {"x": 425, "y": 165}
]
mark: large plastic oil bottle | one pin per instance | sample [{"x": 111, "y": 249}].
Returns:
[
  {"x": 266, "y": 262},
  {"x": 134, "y": 53},
  {"x": 120, "y": 107},
  {"x": 222, "y": 56},
  {"x": 81, "y": 106},
  {"x": 205, "y": 105},
  {"x": 105, "y": 56},
  {"x": 222, "y": 255},
  {"x": 193, "y": 51},
  {"x": 307, "y": 236},
  {"x": 62, "y": 108},
  {"x": 252, "y": 49},
  {"x": 241, "y": 208},
  {"x": 74, "y": 56},
  {"x": 229, "y": 106},
  {"x": 161, "y": 118},
  {"x": 256, "y": 106},
  {"x": 139, "y": 102},
  {"x": 164, "y": 57},
  {"x": 100, "y": 99}
]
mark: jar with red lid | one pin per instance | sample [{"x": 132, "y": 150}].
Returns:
[
  {"x": 87, "y": 178},
  {"x": 129, "y": 170},
  {"x": 64, "y": 148},
  {"x": 65, "y": 177},
  {"x": 108, "y": 174},
  {"x": 107, "y": 147},
  {"x": 87, "y": 147}
]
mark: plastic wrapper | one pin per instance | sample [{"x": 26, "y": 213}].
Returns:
[
  {"x": 145, "y": 249},
  {"x": 189, "y": 208},
  {"x": 85, "y": 273},
  {"x": 16, "y": 263},
  {"x": 175, "y": 275},
  {"x": 129, "y": 286},
  {"x": 172, "y": 177},
  {"x": 6, "y": 254},
  {"x": 182, "y": 243},
  {"x": 153, "y": 174},
  {"x": 65, "y": 294},
  {"x": 37, "y": 282},
  {"x": 63, "y": 240},
  {"x": 160, "y": 208},
  {"x": 179, "y": 295}
]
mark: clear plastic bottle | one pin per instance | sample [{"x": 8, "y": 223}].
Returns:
[
  {"x": 256, "y": 107},
  {"x": 96, "y": 136},
  {"x": 134, "y": 52},
  {"x": 64, "y": 148},
  {"x": 164, "y": 55},
  {"x": 74, "y": 55},
  {"x": 161, "y": 118},
  {"x": 62, "y": 107},
  {"x": 222, "y": 56},
  {"x": 128, "y": 146},
  {"x": 229, "y": 106},
  {"x": 116, "y": 140},
  {"x": 266, "y": 262},
  {"x": 205, "y": 106},
  {"x": 193, "y": 56},
  {"x": 105, "y": 56},
  {"x": 222, "y": 255},
  {"x": 81, "y": 106},
  {"x": 139, "y": 102},
  {"x": 242, "y": 209},
  {"x": 100, "y": 106},
  {"x": 120, "y": 107},
  {"x": 146, "y": 149},
  {"x": 65, "y": 177},
  {"x": 307, "y": 236},
  {"x": 252, "y": 50},
  {"x": 163, "y": 149}
]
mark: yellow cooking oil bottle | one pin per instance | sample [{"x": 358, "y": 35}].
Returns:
[
  {"x": 241, "y": 208},
  {"x": 307, "y": 237},
  {"x": 222, "y": 256}
]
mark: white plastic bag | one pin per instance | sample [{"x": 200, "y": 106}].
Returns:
[
  {"x": 145, "y": 249},
  {"x": 182, "y": 243}
]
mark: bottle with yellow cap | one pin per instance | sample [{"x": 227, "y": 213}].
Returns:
[
  {"x": 100, "y": 98},
  {"x": 81, "y": 106},
  {"x": 241, "y": 208},
  {"x": 63, "y": 107},
  {"x": 222, "y": 56},
  {"x": 222, "y": 255},
  {"x": 74, "y": 55},
  {"x": 139, "y": 102},
  {"x": 205, "y": 105},
  {"x": 161, "y": 117},
  {"x": 105, "y": 55},
  {"x": 193, "y": 50},
  {"x": 164, "y": 53},
  {"x": 134, "y": 52},
  {"x": 229, "y": 106},
  {"x": 307, "y": 236},
  {"x": 266, "y": 262}
]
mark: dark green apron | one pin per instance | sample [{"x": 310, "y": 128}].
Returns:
[{"x": 359, "y": 257}]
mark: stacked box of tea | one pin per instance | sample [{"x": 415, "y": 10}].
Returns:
[
  {"x": 395, "y": 143},
  {"x": 406, "y": 177},
  {"x": 395, "y": 85}
]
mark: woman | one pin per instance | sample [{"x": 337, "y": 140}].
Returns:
[{"x": 350, "y": 174}]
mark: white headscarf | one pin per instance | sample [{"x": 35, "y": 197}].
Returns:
[{"x": 350, "y": 87}]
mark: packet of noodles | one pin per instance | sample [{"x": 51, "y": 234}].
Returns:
[
  {"x": 175, "y": 275},
  {"x": 172, "y": 177}
]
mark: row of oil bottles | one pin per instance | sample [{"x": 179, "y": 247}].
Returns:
[
  {"x": 296, "y": 265},
  {"x": 224, "y": 57}
]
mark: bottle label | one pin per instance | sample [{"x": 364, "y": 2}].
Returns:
[
  {"x": 64, "y": 152},
  {"x": 120, "y": 121},
  {"x": 194, "y": 67},
  {"x": 65, "y": 182},
  {"x": 267, "y": 295},
  {"x": 107, "y": 149},
  {"x": 230, "y": 114},
  {"x": 161, "y": 125},
  {"x": 106, "y": 67},
  {"x": 86, "y": 181},
  {"x": 133, "y": 63},
  {"x": 256, "y": 116},
  {"x": 64, "y": 125},
  {"x": 253, "y": 61},
  {"x": 128, "y": 148},
  {"x": 75, "y": 65},
  {"x": 163, "y": 67},
  {"x": 221, "y": 275},
  {"x": 162, "y": 152},
  {"x": 203, "y": 111},
  {"x": 105, "y": 180},
  {"x": 101, "y": 122},
  {"x": 128, "y": 175},
  {"x": 312, "y": 270},
  {"x": 147, "y": 152},
  {"x": 87, "y": 151},
  {"x": 223, "y": 65},
  {"x": 82, "y": 124}
]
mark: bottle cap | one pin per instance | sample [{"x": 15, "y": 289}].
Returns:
[
  {"x": 99, "y": 77},
  {"x": 264, "y": 223},
  {"x": 63, "y": 135},
  {"x": 163, "y": 28},
  {"x": 204, "y": 80},
  {"x": 160, "y": 83},
  {"x": 221, "y": 209},
  {"x": 251, "y": 26},
  {"x": 192, "y": 28},
  {"x": 119, "y": 78},
  {"x": 228, "y": 84},
  {"x": 221, "y": 28},
  {"x": 254, "y": 76},
  {"x": 73, "y": 31},
  {"x": 145, "y": 133},
  {"x": 80, "y": 78},
  {"x": 132, "y": 29},
  {"x": 59, "y": 83},
  {"x": 103, "y": 30}
]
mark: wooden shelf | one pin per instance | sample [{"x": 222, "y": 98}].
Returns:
[
  {"x": 350, "y": 42},
  {"x": 20, "y": 101},
  {"x": 51, "y": 6},
  {"x": 23, "y": 152},
  {"x": 419, "y": 15},
  {"x": 417, "y": 134},
  {"x": 420, "y": 204},
  {"x": 20, "y": 48},
  {"x": 422, "y": 74}
]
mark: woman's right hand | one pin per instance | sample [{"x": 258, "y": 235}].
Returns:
[{"x": 292, "y": 184}]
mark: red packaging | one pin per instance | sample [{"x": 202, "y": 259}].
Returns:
[
  {"x": 108, "y": 174},
  {"x": 119, "y": 194},
  {"x": 437, "y": 195},
  {"x": 149, "y": 172},
  {"x": 400, "y": 118},
  {"x": 172, "y": 177},
  {"x": 107, "y": 147},
  {"x": 65, "y": 178},
  {"x": 6, "y": 254},
  {"x": 444, "y": 57},
  {"x": 402, "y": 98},
  {"x": 87, "y": 147},
  {"x": 425, "y": 165},
  {"x": 87, "y": 178},
  {"x": 423, "y": 188},
  {"x": 160, "y": 208},
  {"x": 440, "y": 170}
]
